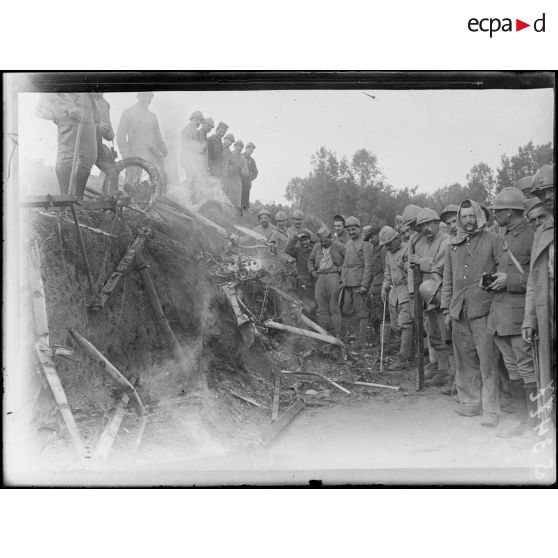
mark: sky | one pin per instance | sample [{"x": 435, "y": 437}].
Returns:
[{"x": 421, "y": 138}]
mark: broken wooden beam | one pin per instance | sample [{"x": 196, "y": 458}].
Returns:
[
  {"x": 38, "y": 297},
  {"x": 122, "y": 266},
  {"x": 304, "y": 332},
  {"x": 276, "y": 397},
  {"x": 243, "y": 397},
  {"x": 282, "y": 422},
  {"x": 108, "y": 436},
  {"x": 322, "y": 376},
  {"x": 312, "y": 324},
  {"x": 47, "y": 366},
  {"x": 81, "y": 244},
  {"x": 94, "y": 354},
  {"x": 49, "y": 201},
  {"x": 160, "y": 317},
  {"x": 86, "y": 227},
  {"x": 370, "y": 384},
  {"x": 230, "y": 293}
]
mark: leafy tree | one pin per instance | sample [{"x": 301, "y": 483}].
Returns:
[
  {"x": 527, "y": 161},
  {"x": 481, "y": 182},
  {"x": 293, "y": 193}
]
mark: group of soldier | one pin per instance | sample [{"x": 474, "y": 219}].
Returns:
[
  {"x": 84, "y": 125},
  {"x": 206, "y": 155},
  {"x": 486, "y": 287}
]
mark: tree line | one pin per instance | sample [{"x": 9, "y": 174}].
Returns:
[{"x": 357, "y": 186}]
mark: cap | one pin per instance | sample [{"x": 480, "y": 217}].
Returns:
[
  {"x": 303, "y": 234},
  {"x": 263, "y": 212},
  {"x": 239, "y": 142},
  {"x": 196, "y": 114},
  {"x": 251, "y": 144},
  {"x": 229, "y": 136},
  {"x": 222, "y": 126},
  {"x": 297, "y": 214},
  {"x": 209, "y": 120},
  {"x": 323, "y": 232}
]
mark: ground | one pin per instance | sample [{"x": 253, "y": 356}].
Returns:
[{"x": 205, "y": 421}]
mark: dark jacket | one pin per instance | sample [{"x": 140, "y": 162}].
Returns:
[
  {"x": 467, "y": 258},
  {"x": 508, "y": 306},
  {"x": 252, "y": 168},
  {"x": 357, "y": 267},
  {"x": 301, "y": 256},
  {"x": 539, "y": 299},
  {"x": 378, "y": 266},
  {"x": 215, "y": 155},
  {"x": 337, "y": 255}
]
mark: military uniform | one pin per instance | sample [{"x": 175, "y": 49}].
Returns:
[
  {"x": 469, "y": 256},
  {"x": 215, "y": 155},
  {"x": 247, "y": 181}
]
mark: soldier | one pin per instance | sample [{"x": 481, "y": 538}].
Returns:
[
  {"x": 449, "y": 217},
  {"x": 539, "y": 300},
  {"x": 396, "y": 284},
  {"x": 378, "y": 264},
  {"x": 105, "y": 155},
  {"x": 409, "y": 219},
  {"x": 535, "y": 212},
  {"x": 265, "y": 227},
  {"x": 471, "y": 254},
  {"x": 75, "y": 115},
  {"x": 139, "y": 135},
  {"x": 236, "y": 170},
  {"x": 324, "y": 265},
  {"x": 524, "y": 184},
  {"x": 339, "y": 232},
  {"x": 429, "y": 253},
  {"x": 215, "y": 150},
  {"x": 300, "y": 248},
  {"x": 508, "y": 305},
  {"x": 356, "y": 277},
  {"x": 206, "y": 126},
  {"x": 297, "y": 218},
  {"x": 190, "y": 158},
  {"x": 228, "y": 140},
  {"x": 282, "y": 235},
  {"x": 252, "y": 175}
]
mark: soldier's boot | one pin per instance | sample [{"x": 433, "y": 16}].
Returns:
[
  {"x": 360, "y": 343},
  {"x": 448, "y": 388},
  {"x": 519, "y": 406},
  {"x": 441, "y": 376},
  {"x": 402, "y": 361}
]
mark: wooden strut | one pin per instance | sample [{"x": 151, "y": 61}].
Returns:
[
  {"x": 44, "y": 352},
  {"x": 92, "y": 352},
  {"x": 276, "y": 396},
  {"x": 370, "y": 384},
  {"x": 143, "y": 269},
  {"x": 122, "y": 266},
  {"x": 83, "y": 251},
  {"x": 304, "y": 332},
  {"x": 282, "y": 422},
  {"x": 325, "y": 378},
  {"x": 86, "y": 227},
  {"x": 108, "y": 436}
]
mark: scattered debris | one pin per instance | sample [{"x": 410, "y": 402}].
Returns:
[
  {"x": 282, "y": 422},
  {"x": 325, "y": 378}
]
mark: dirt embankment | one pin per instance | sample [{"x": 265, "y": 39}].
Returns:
[{"x": 188, "y": 407}]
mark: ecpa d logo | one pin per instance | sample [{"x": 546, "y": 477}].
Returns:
[{"x": 492, "y": 25}]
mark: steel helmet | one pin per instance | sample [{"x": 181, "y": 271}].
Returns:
[
  {"x": 281, "y": 216},
  {"x": 428, "y": 289},
  {"x": 509, "y": 198},
  {"x": 410, "y": 214},
  {"x": 524, "y": 184},
  {"x": 263, "y": 212},
  {"x": 387, "y": 234},
  {"x": 544, "y": 178},
  {"x": 352, "y": 222},
  {"x": 451, "y": 208},
  {"x": 426, "y": 214},
  {"x": 196, "y": 114},
  {"x": 531, "y": 203},
  {"x": 297, "y": 214}
]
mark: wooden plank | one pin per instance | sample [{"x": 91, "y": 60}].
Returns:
[
  {"x": 122, "y": 266},
  {"x": 322, "y": 376},
  {"x": 313, "y": 325},
  {"x": 282, "y": 422},
  {"x": 108, "y": 436},
  {"x": 48, "y": 201},
  {"x": 49, "y": 370},
  {"x": 107, "y": 205},
  {"x": 94, "y": 354},
  {"x": 38, "y": 297},
  {"x": 304, "y": 332},
  {"x": 370, "y": 384}
]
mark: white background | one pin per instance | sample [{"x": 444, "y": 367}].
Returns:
[{"x": 283, "y": 35}]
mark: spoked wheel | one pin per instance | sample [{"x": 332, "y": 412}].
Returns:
[{"x": 137, "y": 178}]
